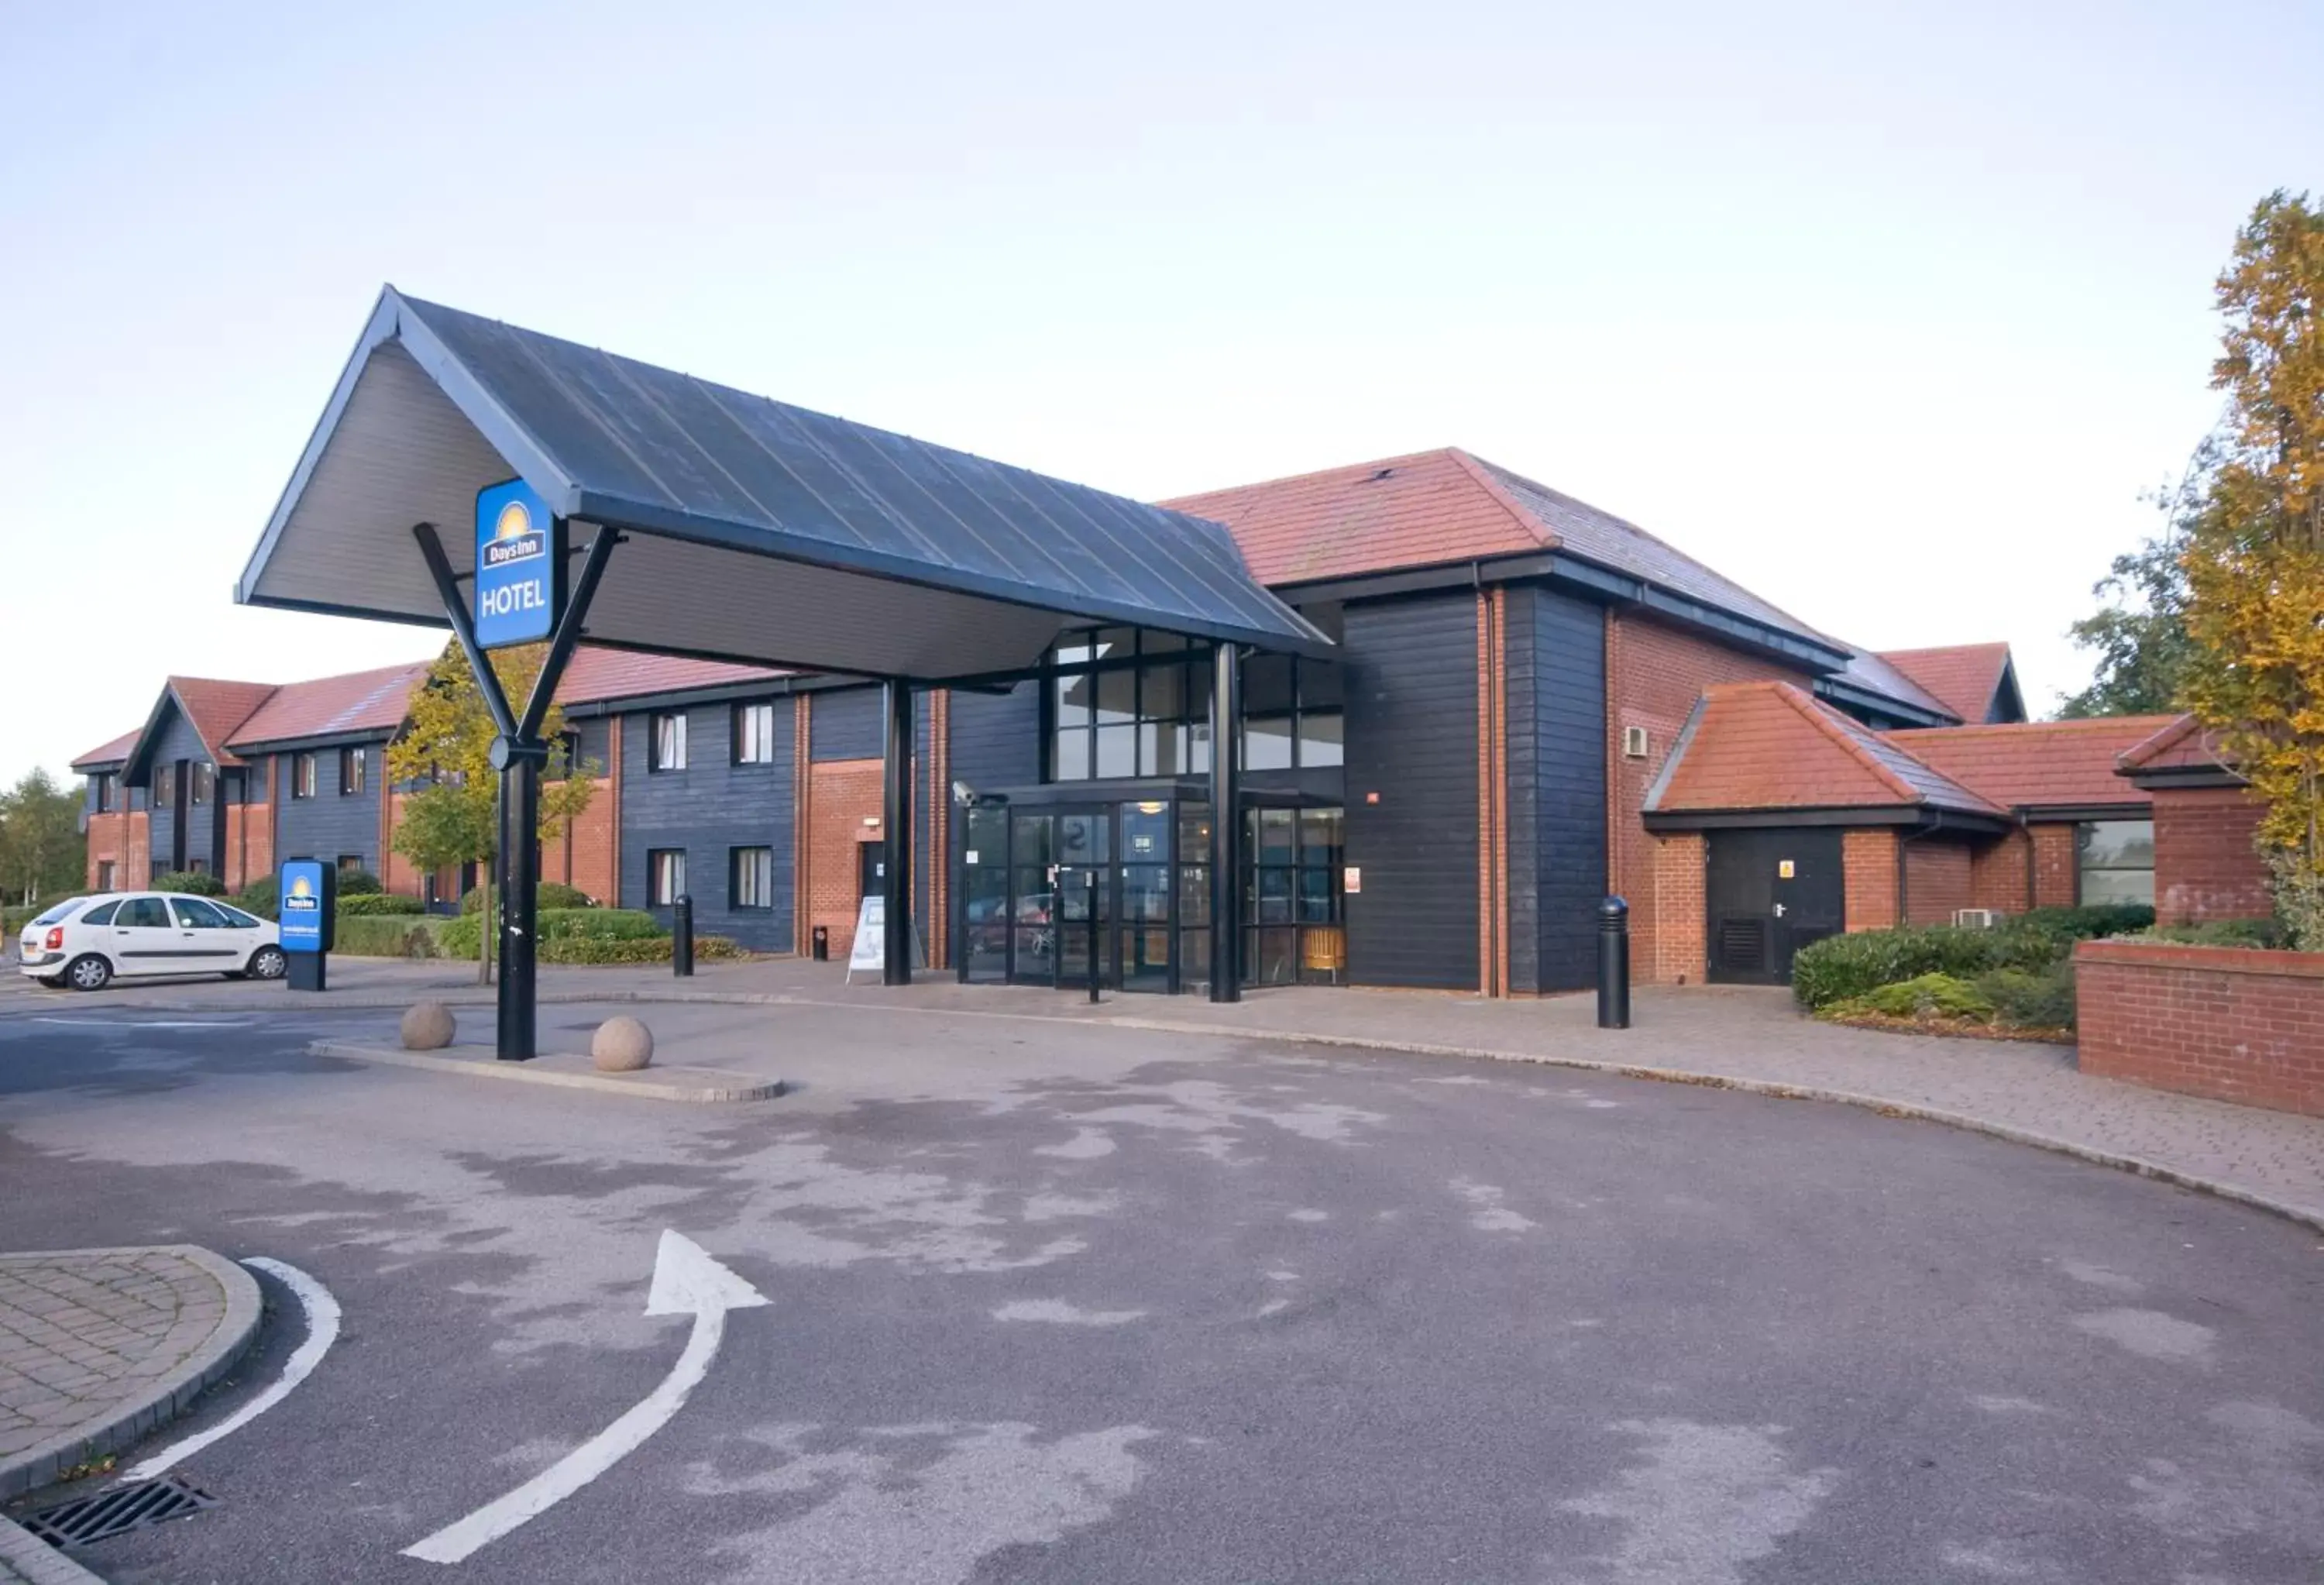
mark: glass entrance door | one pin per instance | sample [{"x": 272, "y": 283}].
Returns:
[{"x": 1085, "y": 881}]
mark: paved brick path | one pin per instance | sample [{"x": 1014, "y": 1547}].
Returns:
[{"x": 97, "y": 1346}]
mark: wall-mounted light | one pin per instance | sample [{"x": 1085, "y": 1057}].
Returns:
[{"x": 871, "y": 819}]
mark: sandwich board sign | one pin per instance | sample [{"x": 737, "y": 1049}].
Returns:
[{"x": 870, "y": 952}]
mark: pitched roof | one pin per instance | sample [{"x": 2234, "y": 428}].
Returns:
[
  {"x": 596, "y": 674},
  {"x": 1964, "y": 677},
  {"x": 2185, "y": 744},
  {"x": 324, "y": 706},
  {"x": 112, "y": 754},
  {"x": 2036, "y": 764},
  {"x": 1433, "y": 507},
  {"x": 1770, "y": 745},
  {"x": 1874, "y": 674},
  {"x": 218, "y": 708}
]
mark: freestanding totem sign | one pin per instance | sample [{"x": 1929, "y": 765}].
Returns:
[{"x": 308, "y": 903}]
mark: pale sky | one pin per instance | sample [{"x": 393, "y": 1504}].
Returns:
[{"x": 1890, "y": 314}]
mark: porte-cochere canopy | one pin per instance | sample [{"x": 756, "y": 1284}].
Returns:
[{"x": 754, "y": 530}]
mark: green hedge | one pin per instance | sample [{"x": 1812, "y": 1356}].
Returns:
[
  {"x": 389, "y": 935},
  {"x": 359, "y": 883},
  {"x": 459, "y": 936},
  {"x": 373, "y": 904},
  {"x": 13, "y": 919},
  {"x": 2088, "y": 923},
  {"x": 1840, "y": 967},
  {"x": 654, "y": 950},
  {"x": 2032, "y": 999},
  {"x": 549, "y": 894},
  {"x": 2260, "y": 933},
  {"x": 197, "y": 882},
  {"x": 261, "y": 897}
]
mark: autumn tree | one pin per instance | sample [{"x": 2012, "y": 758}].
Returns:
[
  {"x": 452, "y": 815},
  {"x": 2255, "y": 556}
]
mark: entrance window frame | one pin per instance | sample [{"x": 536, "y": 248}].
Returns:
[{"x": 1084, "y": 745}]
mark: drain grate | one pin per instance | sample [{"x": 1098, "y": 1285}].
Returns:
[{"x": 131, "y": 1507}]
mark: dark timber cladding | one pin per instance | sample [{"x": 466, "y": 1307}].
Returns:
[
  {"x": 709, "y": 811},
  {"x": 1412, "y": 690},
  {"x": 1556, "y": 672}
]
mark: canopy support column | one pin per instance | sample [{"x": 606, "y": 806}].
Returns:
[
  {"x": 896, "y": 836},
  {"x": 518, "y": 754},
  {"x": 1226, "y": 824}
]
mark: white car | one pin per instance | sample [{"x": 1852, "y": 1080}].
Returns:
[{"x": 84, "y": 942}]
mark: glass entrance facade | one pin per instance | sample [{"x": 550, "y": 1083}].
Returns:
[{"x": 1032, "y": 875}]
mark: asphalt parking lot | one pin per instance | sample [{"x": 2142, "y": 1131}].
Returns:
[{"x": 1049, "y": 1303}]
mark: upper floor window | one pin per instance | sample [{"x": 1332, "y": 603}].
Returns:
[
  {"x": 355, "y": 770},
  {"x": 302, "y": 776},
  {"x": 165, "y": 786},
  {"x": 1125, "y": 703},
  {"x": 2115, "y": 861},
  {"x": 101, "y": 793},
  {"x": 202, "y": 781},
  {"x": 666, "y": 745},
  {"x": 754, "y": 733}
]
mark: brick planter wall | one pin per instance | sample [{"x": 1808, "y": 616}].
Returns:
[{"x": 2229, "y": 1023}]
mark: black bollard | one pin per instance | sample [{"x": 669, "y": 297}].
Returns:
[
  {"x": 681, "y": 937},
  {"x": 1089, "y": 899},
  {"x": 1613, "y": 964}
]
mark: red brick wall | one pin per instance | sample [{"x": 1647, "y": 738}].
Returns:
[
  {"x": 2205, "y": 866},
  {"x": 249, "y": 844},
  {"x": 2227, "y": 1022},
  {"x": 583, "y": 857},
  {"x": 1867, "y": 862},
  {"x": 840, "y": 795},
  {"x": 1681, "y": 954},
  {"x": 137, "y": 848},
  {"x": 397, "y": 873},
  {"x": 2055, "y": 883},
  {"x": 1996, "y": 876},
  {"x": 1653, "y": 675},
  {"x": 1937, "y": 880},
  {"x": 120, "y": 835}
]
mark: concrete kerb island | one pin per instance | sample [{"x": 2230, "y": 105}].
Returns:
[
  {"x": 125, "y": 1340},
  {"x": 697, "y": 1086}
]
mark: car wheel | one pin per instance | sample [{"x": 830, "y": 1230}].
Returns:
[
  {"x": 90, "y": 973},
  {"x": 267, "y": 963},
  {"x": 53, "y": 982}
]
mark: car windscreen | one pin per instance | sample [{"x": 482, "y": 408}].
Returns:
[{"x": 61, "y": 912}]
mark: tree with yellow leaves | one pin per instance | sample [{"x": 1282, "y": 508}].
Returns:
[
  {"x": 2254, "y": 556},
  {"x": 453, "y": 817}
]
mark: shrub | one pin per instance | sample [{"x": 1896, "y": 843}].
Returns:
[
  {"x": 1840, "y": 967},
  {"x": 385, "y": 936},
  {"x": 2087, "y": 923},
  {"x": 191, "y": 881},
  {"x": 359, "y": 883},
  {"x": 2260, "y": 933},
  {"x": 459, "y": 938},
  {"x": 262, "y": 897},
  {"x": 630, "y": 950},
  {"x": 13, "y": 919},
  {"x": 375, "y": 904},
  {"x": 2032, "y": 999},
  {"x": 1926, "y": 996},
  {"x": 549, "y": 894}
]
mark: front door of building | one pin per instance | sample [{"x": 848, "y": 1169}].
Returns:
[
  {"x": 1770, "y": 892},
  {"x": 870, "y": 870}
]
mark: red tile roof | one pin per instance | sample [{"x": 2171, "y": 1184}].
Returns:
[
  {"x": 597, "y": 675},
  {"x": 1964, "y": 677},
  {"x": 218, "y": 710},
  {"x": 2185, "y": 744},
  {"x": 2036, "y": 764},
  {"x": 112, "y": 754},
  {"x": 1769, "y": 745},
  {"x": 355, "y": 701}
]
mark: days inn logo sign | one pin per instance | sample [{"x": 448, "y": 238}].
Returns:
[
  {"x": 520, "y": 575},
  {"x": 301, "y": 898}
]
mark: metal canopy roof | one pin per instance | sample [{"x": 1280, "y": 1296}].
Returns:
[{"x": 757, "y": 532}]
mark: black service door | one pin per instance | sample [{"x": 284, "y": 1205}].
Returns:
[{"x": 1770, "y": 893}]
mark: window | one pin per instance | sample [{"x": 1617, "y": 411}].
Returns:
[
  {"x": 1123, "y": 703},
  {"x": 100, "y": 915},
  {"x": 354, "y": 766},
  {"x": 752, "y": 878},
  {"x": 302, "y": 776},
  {"x": 204, "y": 781},
  {"x": 350, "y": 864},
  {"x": 754, "y": 733},
  {"x": 143, "y": 913},
  {"x": 197, "y": 913},
  {"x": 101, "y": 791},
  {"x": 198, "y": 866},
  {"x": 665, "y": 876},
  {"x": 2116, "y": 862},
  {"x": 237, "y": 919},
  {"x": 1292, "y": 902},
  {"x": 165, "y": 786},
  {"x": 666, "y": 747},
  {"x": 105, "y": 875}
]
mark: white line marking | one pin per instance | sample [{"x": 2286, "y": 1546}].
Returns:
[
  {"x": 139, "y": 1024},
  {"x": 322, "y": 1313},
  {"x": 686, "y": 1280}
]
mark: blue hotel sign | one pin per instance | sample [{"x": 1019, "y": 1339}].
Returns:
[
  {"x": 305, "y": 902},
  {"x": 520, "y": 565}
]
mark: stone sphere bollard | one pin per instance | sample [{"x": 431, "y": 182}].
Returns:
[
  {"x": 427, "y": 1025},
  {"x": 621, "y": 1046}
]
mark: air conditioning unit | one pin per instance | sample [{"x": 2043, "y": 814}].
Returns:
[
  {"x": 1977, "y": 918},
  {"x": 1634, "y": 743}
]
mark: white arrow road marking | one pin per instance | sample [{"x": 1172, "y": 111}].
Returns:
[
  {"x": 685, "y": 1282},
  {"x": 322, "y": 1313}
]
